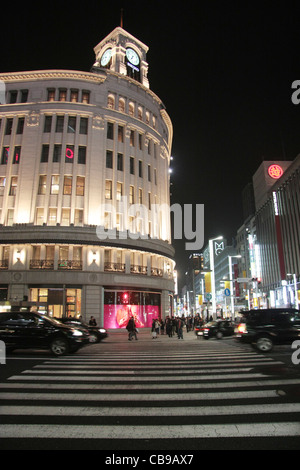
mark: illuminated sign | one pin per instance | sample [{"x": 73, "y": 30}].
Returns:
[
  {"x": 275, "y": 171},
  {"x": 69, "y": 153}
]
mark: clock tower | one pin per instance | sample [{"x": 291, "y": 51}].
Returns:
[{"x": 122, "y": 53}]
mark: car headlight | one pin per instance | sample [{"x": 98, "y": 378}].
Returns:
[
  {"x": 102, "y": 330},
  {"x": 77, "y": 333}
]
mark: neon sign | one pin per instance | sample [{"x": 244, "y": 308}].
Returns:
[
  {"x": 69, "y": 153},
  {"x": 275, "y": 171}
]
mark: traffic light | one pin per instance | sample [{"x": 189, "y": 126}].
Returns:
[{"x": 125, "y": 298}]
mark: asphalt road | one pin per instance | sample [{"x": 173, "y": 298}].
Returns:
[{"x": 152, "y": 397}]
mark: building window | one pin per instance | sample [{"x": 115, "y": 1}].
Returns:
[
  {"x": 140, "y": 196},
  {"x": 45, "y": 153},
  {"x": 13, "y": 186},
  {"x": 59, "y": 124},
  {"x": 131, "y": 140},
  {"x": 62, "y": 95},
  {"x": 108, "y": 189},
  {"x": 140, "y": 169},
  {"x": 8, "y": 128},
  {"x": 2, "y": 185},
  {"x": 83, "y": 128},
  {"x": 51, "y": 94},
  {"x": 20, "y": 126},
  {"x": 13, "y": 97},
  {"x": 10, "y": 217},
  {"x": 52, "y": 216},
  {"x": 120, "y": 162},
  {"x": 119, "y": 191},
  {"x": 65, "y": 217},
  {"x": 131, "y": 165},
  {"x": 131, "y": 109},
  {"x": 56, "y": 153},
  {"x": 48, "y": 124},
  {"x": 81, "y": 155},
  {"x": 24, "y": 96},
  {"x": 39, "y": 216},
  {"x": 110, "y": 131},
  {"x": 54, "y": 184},
  {"x": 42, "y": 184},
  {"x": 67, "y": 185},
  {"x": 131, "y": 194},
  {"x": 74, "y": 96},
  {"x": 17, "y": 155},
  {"x": 121, "y": 134},
  {"x": 109, "y": 159},
  {"x": 5, "y": 155},
  {"x": 72, "y": 125},
  {"x": 80, "y": 185},
  {"x": 111, "y": 102},
  {"x": 86, "y": 97},
  {"x": 122, "y": 105},
  {"x": 78, "y": 220},
  {"x": 149, "y": 173},
  {"x": 69, "y": 155},
  {"x": 140, "y": 142}
]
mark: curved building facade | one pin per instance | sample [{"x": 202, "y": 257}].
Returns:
[{"x": 84, "y": 189}]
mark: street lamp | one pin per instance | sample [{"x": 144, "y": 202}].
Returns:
[
  {"x": 231, "y": 283},
  {"x": 212, "y": 267}
]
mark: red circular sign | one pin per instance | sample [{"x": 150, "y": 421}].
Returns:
[{"x": 275, "y": 171}]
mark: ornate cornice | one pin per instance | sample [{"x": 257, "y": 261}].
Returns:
[{"x": 52, "y": 75}]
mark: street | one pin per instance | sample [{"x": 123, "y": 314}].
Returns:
[{"x": 151, "y": 395}]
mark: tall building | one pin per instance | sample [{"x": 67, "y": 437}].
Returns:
[{"x": 84, "y": 189}]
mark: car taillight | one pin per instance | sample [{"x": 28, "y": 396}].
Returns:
[{"x": 242, "y": 328}]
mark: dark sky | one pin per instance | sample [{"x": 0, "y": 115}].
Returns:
[{"x": 223, "y": 70}]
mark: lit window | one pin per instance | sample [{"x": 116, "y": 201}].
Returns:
[{"x": 54, "y": 184}]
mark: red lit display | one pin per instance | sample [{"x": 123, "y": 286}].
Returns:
[
  {"x": 275, "y": 171},
  {"x": 69, "y": 153}
]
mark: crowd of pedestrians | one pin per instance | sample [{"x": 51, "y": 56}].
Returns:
[{"x": 171, "y": 326}]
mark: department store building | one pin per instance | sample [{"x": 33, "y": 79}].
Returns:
[{"x": 84, "y": 189}]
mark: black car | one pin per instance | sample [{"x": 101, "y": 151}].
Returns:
[
  {"x": 264, "y": 328},
  {"x": 96, "y": 333},
  {"x": 30, "y": 330},
  {"x": 217, "y": 329}
]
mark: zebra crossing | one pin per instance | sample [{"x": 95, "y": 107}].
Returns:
[{"x": 167, "y": 397}]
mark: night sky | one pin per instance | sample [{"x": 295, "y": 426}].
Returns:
[{"x": 224, "y": 72}]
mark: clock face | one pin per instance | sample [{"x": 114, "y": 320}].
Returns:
[
  {"x": 106, "y": 57},
  {"x": 132, "y": 56}
]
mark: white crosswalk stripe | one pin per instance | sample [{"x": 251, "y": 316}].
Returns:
[{"x": 218, "y": 392}]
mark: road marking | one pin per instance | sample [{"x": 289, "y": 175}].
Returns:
[
  {"x": 104, "y": 411},
  {"x": 52, "y": 431}
]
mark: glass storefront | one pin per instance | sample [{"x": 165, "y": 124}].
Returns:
[
  {"x": 119, "y": 306},
  {"x": 58, "y": 301}
]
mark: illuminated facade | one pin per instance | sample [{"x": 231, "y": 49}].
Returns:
[{"x": 84, "y": 189}]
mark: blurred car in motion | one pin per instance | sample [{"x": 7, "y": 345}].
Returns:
[
  {"x": 96, "y": 333},
  {"x": 217, "y": 329},
  {"x": 30, "y": 330},
  {"x": 266, "y": 327}
]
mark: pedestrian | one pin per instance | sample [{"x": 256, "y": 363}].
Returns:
[
  {"x": 153, "y": 330},
  {"x": 169, "y": 327},
  {"x": 131, "y": 328},
  {"x": 92, "y": 322},
  {"x": 162, "y": 327},
  {"x": 180, "y": 325},
  {"x": 157, "y": 325}
]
